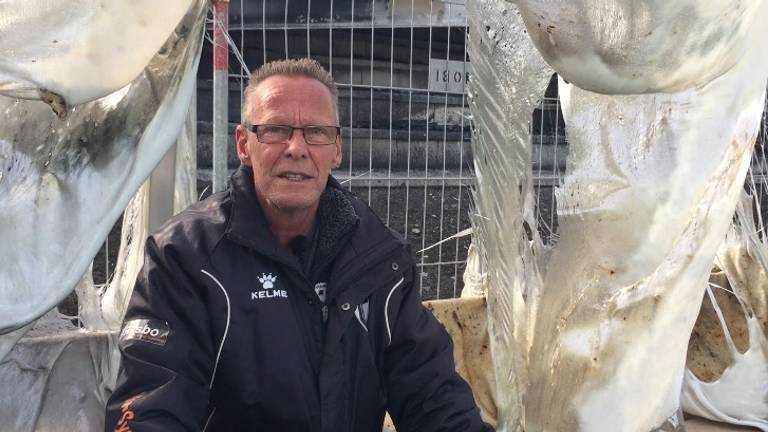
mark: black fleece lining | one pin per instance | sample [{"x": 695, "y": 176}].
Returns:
[{"x": 336, "y": 217}]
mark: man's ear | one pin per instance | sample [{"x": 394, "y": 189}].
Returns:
[{"x": 241, "y": 140}]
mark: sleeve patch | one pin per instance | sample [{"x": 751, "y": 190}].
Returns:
[{"x": 146, "y": 330}]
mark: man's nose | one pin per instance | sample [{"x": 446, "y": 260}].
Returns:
[{"x": 297, "y": 145}]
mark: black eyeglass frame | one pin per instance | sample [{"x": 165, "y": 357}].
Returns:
[{"x": 254, "y": 129}]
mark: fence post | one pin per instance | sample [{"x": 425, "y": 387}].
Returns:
[{"x": 220, "y": 93}]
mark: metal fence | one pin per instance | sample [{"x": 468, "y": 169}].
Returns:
[{"x": 401, "y": 68}]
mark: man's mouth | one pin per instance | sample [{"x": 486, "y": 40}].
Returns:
[{"x": 293, "y": 176}]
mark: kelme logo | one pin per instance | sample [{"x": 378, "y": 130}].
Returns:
[{"x": 268, "y": 288}]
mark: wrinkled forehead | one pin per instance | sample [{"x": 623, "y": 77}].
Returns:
[{"x": 290, "y": 95}]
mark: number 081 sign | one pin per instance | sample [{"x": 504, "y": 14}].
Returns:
[{"x": 448, "y": 75}]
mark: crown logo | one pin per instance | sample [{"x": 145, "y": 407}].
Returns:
[{"x": 267, "y": 281}]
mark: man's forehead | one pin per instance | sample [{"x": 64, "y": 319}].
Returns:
[
  {"x": 314, "y": 97},
  {"x": 278, "y": 85}
]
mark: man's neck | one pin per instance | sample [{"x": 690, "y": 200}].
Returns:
[{"x": 287, "y": 225}]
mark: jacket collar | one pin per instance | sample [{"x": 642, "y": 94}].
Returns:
[{"x": 248, "y": 225}]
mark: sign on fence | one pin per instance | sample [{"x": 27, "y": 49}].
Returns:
[{"x": 448, "y": 75}]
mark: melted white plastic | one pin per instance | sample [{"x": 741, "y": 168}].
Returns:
[
  {"x": 651, "y": 185},
  {"x": 641, "y": 46},
  {"x": 639, "y": 227},
  {"x": 113, "y": 299},
  {"x": 58, "y": 377},
  {"x": 509, "y": 77},
  {"x": 740, "y": 395},
  {"x": 64, "y": 182},
  {"x": 80, "y": 49},
  {"x": 67, "y": 181}
]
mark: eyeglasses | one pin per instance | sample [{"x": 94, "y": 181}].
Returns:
[{"x": 276, "y": 134}]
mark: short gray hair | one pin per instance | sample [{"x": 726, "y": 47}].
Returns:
[{"x": 305, "y": 67}]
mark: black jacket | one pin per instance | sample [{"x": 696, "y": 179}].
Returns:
[{"x": 225, "y": 330}]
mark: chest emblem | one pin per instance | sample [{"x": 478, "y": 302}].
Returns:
[
  {"x": 267, "y": 281},
  {"x": 268, "y": 288},
  {"x": 320, "y": 289}
]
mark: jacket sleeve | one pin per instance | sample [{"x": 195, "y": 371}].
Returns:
[
  {"x": 167, "y": 354},
  {"x": 424, "y": 391}
]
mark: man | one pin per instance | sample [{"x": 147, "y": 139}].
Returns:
[{"x": 284, "y": 303}]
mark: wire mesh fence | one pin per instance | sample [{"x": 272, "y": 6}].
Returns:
[{"x": 402, "y": 70}]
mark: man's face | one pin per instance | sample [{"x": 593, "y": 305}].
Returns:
[{"x": 290, "y": 176}]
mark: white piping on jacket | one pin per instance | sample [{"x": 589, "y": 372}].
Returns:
[
  {"x": 386, "y": 309},
  {"x": 207, "y": 422},
  {"x": 226, "y": 329}
]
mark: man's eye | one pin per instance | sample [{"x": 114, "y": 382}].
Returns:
[{"x": 314, "y": 130}]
